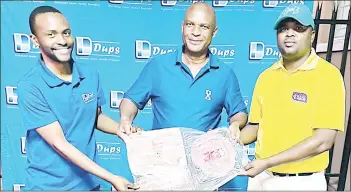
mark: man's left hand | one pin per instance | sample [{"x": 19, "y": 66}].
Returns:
[{"x": 255, "y": 167}]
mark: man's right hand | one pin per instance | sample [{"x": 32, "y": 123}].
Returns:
[{"x": 122, "y": 184}]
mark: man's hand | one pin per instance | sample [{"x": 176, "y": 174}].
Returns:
[
  {"x": 122, "y": 184},
  {"x": 126, "y": 127},
  {"x": 234, "y": 130},
  {"x": 255, "y": 167}
]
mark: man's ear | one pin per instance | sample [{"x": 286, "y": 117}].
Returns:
[
  {"x": 34, "y": 40},
  {"x": 215, "y": 31},
  {"x": 313, "y": 35}
]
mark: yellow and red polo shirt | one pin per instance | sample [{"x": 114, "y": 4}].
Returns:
[{"x": 289, "y": 106}]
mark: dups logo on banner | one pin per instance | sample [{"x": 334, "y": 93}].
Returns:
[
  {"x": 108, "y": 150},
  {"x": 280, "y": 3},
  {"x": 263, "y": 53},
  {"x": 86, "y": 48},
  {"x": 23, "y": 46},
  {"x": 145, "y": 50},
  {"x": 234, "y": 5}
]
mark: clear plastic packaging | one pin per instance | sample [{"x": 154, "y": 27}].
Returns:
[{"x": 184, "y": 158}]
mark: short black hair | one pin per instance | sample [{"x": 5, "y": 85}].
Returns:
[{"x": 37, "y": 11}]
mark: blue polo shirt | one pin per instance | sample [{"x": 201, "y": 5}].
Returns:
[
  {"x": 43, "y": 99},
  {"x": 178, "y": 99}
]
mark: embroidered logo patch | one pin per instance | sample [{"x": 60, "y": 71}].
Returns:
[
  {"x": 300, "y": 97},
  {"x": 88, "y": 97}
]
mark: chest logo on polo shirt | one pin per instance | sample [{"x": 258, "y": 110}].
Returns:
[
  {"x": 300, "y": 97},
  {"x": 88, "y": 97},
  {"x": 208, "y": 94}
]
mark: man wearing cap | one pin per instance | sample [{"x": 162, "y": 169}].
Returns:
[{"x": 297, "y": 109}]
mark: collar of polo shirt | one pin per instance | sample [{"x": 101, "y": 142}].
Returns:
[{"x": 53, "y": 81}]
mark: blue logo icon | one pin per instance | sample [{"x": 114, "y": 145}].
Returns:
[
  {"x": 116, "y": 1},
  {"x": 116, "y": 98},
  {"x": 168, "y": 2},
  {"x": 84, "y": 46},
  {"x": 272, "y": 3},
  {"x": 11, "y": 96},
  {"x": 256, "y": 50},
  {"x": 21, "y": 42},
  {"x": 23, "y": 145},
  {"x": 142, "y": 49},
  {"x": 219, "y": 3}
]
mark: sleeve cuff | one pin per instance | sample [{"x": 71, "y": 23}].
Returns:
[
  {"x": 101, "y": 102},
  {"x": 242, "y": 110},
  {"x": 329, "y": 127},
  {"x": 140, "y": 107},
  {"x": 39, "y": 124}
]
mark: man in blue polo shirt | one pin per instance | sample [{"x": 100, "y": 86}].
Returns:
[
  {"x": 188, "y": 87},
  {"x": 60, "y": 102}
]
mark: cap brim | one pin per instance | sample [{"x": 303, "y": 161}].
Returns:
[
  {"x": 289, "y": 17},
  {"x": 279, "y": 20}
]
